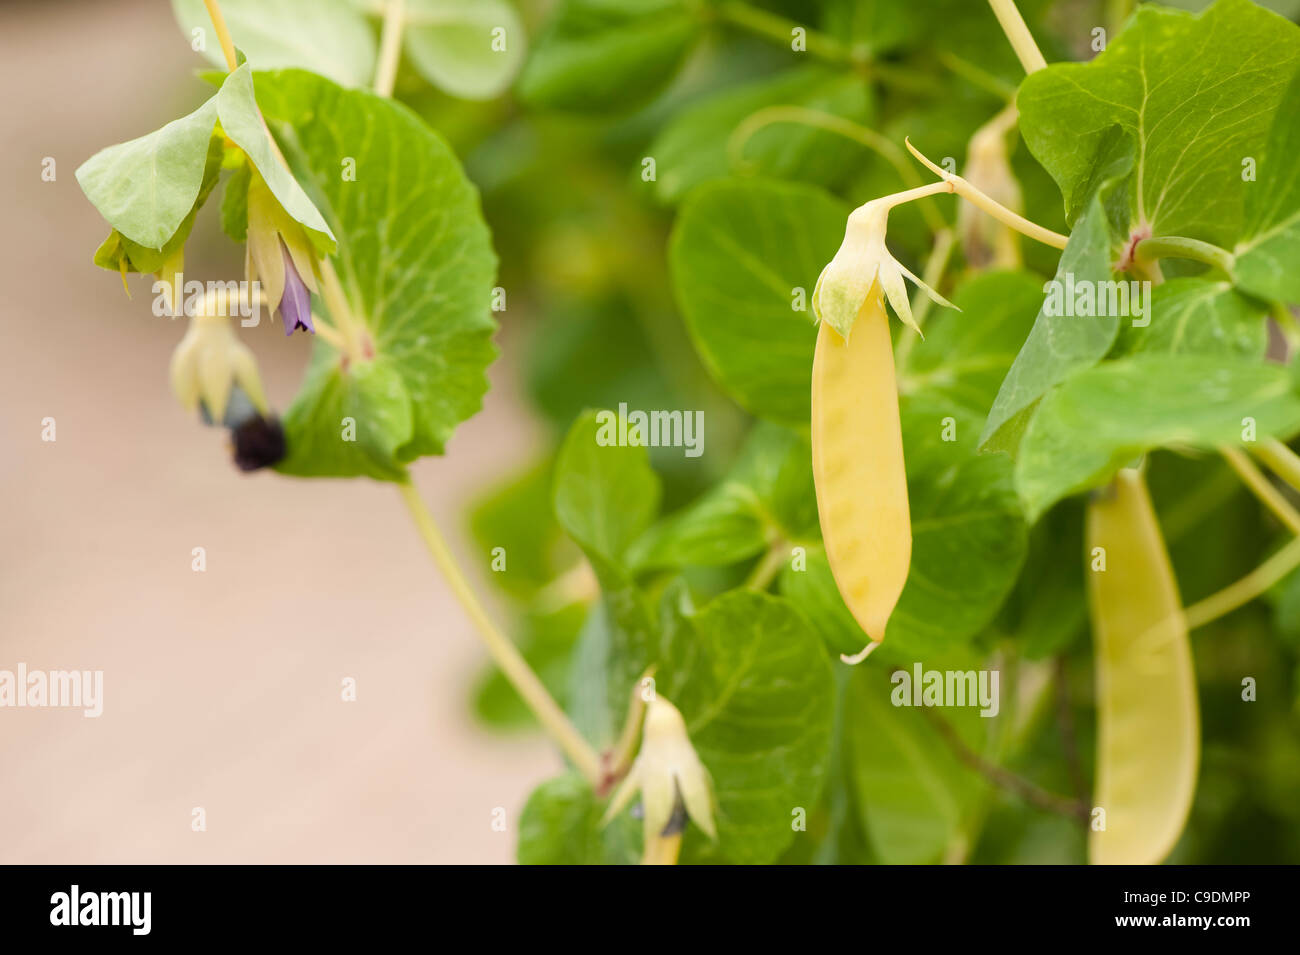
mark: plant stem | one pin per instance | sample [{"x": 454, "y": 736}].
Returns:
[
  {"x": 1259, "y": 485},
  {"x": 329, "y": 333},
  {"x": 1022, "y": 41},
  {"x": 1245, "y": 590},
  {"x": 1065, "y": 725},
  {"x": 1004, "y": 779},
  {"x": 992, "y": 207},
  {"x": 619, "y": 759},
  {"x": 1281, "y": 460},
  {"x": 768, "y": 566},
  {"x": 920, "y": 192},
  {"x": 390, "y": 47},
  {"x": 779, "y": 29},
  {"x": 977, "y": 76},
  {"x": 336, "y": 299},
  {"x": 223, "y": 33},
  {"x": 503, "y": 651},
  {"x": 1177, "y": 247},
  {"x": 831, "y": 123}
]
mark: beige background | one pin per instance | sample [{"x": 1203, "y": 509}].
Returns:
[{"x": 222, "y": 689}]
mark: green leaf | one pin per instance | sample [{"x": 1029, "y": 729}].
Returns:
[
  {"x": 605, "y": 494},
  {"x": 516, "y": 516},
  {"x": 560, "y": 825},
  {"x": 329, "y": 37},
  {"x": 767, "y": 495},
  {"x": 454, "y": 44},
  {"x": 598, "y": 55},
  {"x": 968, "y": 543},
  {"x": 118, "y": 253},
  {"x": 1186, "y": 96},
  {"x": 1267, "y": 254},
  {"x": 146, "y": 188},
  {"x": 913, "y": 792},
  {"x": 369, "y": 394},
  {"x": 968, "y": 533},
  {"x": 757, "y": 696},
  {"x": 743, "y": 256},
  {"x": 1058, "y": 344},
  {"x": 416, "y": 264},
  {"x": 1104, "y": 417},
  {"x": 1197, "y": 315},
  {"x": 879, "y": 27},
  {"x": 618, "y": 642},
  {"x": 242, "y": 121},
  {"x": 694, "y": 147},
  {"x": 966, "y": 354}
]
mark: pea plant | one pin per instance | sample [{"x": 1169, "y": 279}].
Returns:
[{"x": 857, "y": 628}]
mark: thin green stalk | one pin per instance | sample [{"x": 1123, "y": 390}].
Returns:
[
  {"x": 1259, "y": 485},
  {"x": 223, "y": 33},
  {"x": 390, "y": 47},
  {"x": 989, "y": 205},
  {"x": 781, "y": 30},
  {"x": 977, "y": 76},
  {"x": 503, "y": 651},
  {"x": 768, "y": 566},
  {"x": 1281, "y": 460},
  {"x": 881, "y": 145},
  {"x": 1177, "y": 247},
  {"x": 1022, "y": 41},
  {"x": 1257, "y": 582}
]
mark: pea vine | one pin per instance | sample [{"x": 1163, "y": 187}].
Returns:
[{"x": 1085, "y": 431}]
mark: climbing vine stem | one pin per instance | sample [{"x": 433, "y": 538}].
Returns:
[
  {"x": 989, "y": 205},
  {"x": 503, "y": 651},
  {"x": 390, "y": 47},
  {"x": 831, "y": 123},
  {"x": 223, "y": 32},
  {"x": 1022, "y": 41}
]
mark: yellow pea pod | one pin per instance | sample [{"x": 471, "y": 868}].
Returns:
[
  {"x": 1148, "y": 727},
  {"x": 857, "y": 457}
]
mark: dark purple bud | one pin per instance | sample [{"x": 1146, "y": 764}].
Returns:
[
  {"x": 259, "y": 443},
  {"x": 295, "y": 306}
]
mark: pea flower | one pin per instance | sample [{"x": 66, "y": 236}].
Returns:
[
  {"x": 862, "y": 261},
  {"x": 211, "y": 362},
  {"x": 280, "y": 257},
  {"x": 668, "y": 773}
]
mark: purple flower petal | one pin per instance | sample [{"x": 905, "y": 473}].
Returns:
[{"x": 295, "y": 305}]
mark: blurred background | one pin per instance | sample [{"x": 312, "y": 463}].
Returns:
[{"x": 223, "y": 688}]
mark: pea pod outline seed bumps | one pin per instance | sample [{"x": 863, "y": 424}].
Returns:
[
  {"x": 857, "y": 439},
  {"x": 1148, "y": 745},
  {"x": 857, "y": 449}
]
